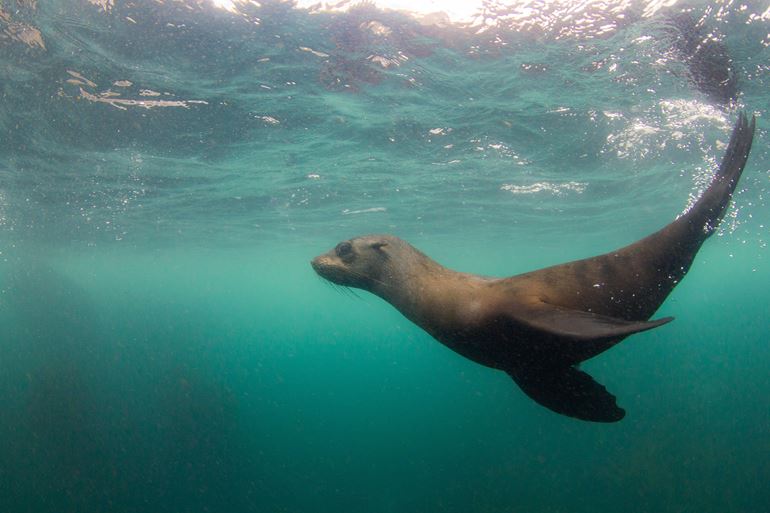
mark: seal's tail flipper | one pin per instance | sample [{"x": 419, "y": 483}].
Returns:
[
  {"x": 569, "y": 391},
  {"x": 711, "y": 207}
]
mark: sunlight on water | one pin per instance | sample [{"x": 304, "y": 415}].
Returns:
[{"x": 567, "y": 17}]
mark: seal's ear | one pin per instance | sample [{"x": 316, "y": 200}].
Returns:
[{"x": 379, "y": 244}]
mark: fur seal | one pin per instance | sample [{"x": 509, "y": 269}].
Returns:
[{"x": 539, "y": 326}]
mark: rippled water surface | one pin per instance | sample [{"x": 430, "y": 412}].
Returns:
[{"x": 168, "y": 169}]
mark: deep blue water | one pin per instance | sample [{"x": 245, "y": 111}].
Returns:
[{"x": 168, "y": 169}]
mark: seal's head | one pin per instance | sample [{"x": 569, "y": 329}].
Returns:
[{"x": 359, "y": 262}]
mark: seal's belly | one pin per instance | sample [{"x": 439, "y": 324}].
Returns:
[{"x": 493, "y": 345}]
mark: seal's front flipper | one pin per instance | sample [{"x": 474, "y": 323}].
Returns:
[
  {"x": 579, "y": 325},
  {"x": 569, "y": 391}
]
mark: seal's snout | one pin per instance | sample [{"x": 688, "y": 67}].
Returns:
[
  {"x": 352, "y": 263},
  {"x": 329, "y": 267},
  {"x": 324, "y": 266},
  {"x": 318, "y": 264}
]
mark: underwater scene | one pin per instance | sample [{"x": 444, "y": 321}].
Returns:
[{"x": 169, "y": 169}]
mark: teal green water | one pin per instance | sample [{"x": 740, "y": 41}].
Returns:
[{"x": 166, "y": 346}]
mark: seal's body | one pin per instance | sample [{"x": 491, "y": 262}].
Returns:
[{"x": 540, "y": 325}]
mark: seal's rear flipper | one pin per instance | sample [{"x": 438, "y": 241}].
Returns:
[
  {"x": 708, "y": 211},
  {"x": 569, "y": 391}
]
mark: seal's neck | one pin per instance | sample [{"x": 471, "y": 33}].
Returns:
[{"x": 419, "y": 287}]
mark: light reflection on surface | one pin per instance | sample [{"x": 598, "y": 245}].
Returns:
[
  {"x": 584, "y": 19},
  {"x": 432, "y": 11},
  {"x": 557, "y": 189},
  {"x": 561, "y": 18},
  {"x": 118, "y": 100},
  {"x": 124, "y": 103}
]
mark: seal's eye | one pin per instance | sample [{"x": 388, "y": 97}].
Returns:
[{"x": 343, "y": 249}]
